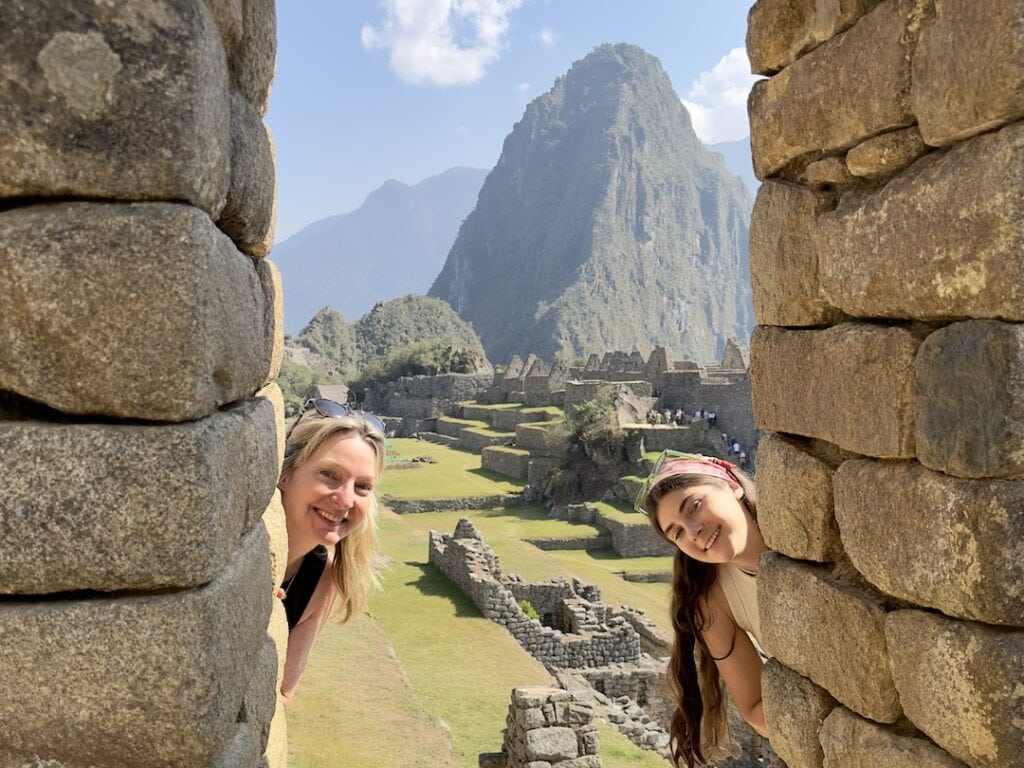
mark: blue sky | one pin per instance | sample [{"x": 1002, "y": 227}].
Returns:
[{"x": 370, "y": 90}]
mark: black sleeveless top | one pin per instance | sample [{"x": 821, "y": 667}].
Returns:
[{"x": 302, "y": 585}]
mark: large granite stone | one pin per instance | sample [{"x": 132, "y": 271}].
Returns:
[
  {"x": 273, "y": 315},
  {"x": 802, "y": 609},
  {"x": 794, "y": 709},
  {"x": 784, "y": 258},
  {"x": 117, "y": 506},
  {"x": 800, "y": 377},
  {"x": 780, "y": 31},
  {"x": 935, "y": 540},
  {"x": 794, "y": 501},
  {"x": 969, "y": 404},
  {"x": 552, "y": 744},
  {"x": 249, "y": 211},
  {"x": 243, "y": 751},
  {"x": 961, "y": 683},
  {"x": 153, "y": 680},
  {"x": 252, "y": 65},
  {"x": 228, "y": 16},
  {"x": 982, "y": 85},
  {"x": 852, "y": 742},
  {"x": 142, "y": 311},
  {"x": 127, "y": 102},
  {"x": 951, "y": 227},
  {"x": 851, "y": 88},
  {"x": 883, "y": 156},
  {"x": 260, "y": 701}
]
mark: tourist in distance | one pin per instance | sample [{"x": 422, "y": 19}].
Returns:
[
  {"x": 707, "y": 509},
  {"x": 333, "y": 459}
]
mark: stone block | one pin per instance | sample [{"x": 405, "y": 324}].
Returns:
[
  {"x": 228, "y": 16},
  {"x": 126, "y": 105},
  {"x": 799, "y": 376},
  {"x": 849, "y": 741},
  {"x": 277, "y": 534},
  {"x": 882, "y": 156},
  {"x": 935, "y": 540},
  {"x": 260, "y": 701},
  {"x": 552, "y": 744},
  {"x": 784, "y": 258},
  {"x": 272, "y": 394},
  {"x": 252, "y": 65},
  {"x": 116, "y": 506},
  {"x": 828, "y": 172},
  {"x": 853, "y": 87},
  {"x": 969, "y": 404},
  {"x": 780, "y": 31},
  {"x": 153, "y": 679},
  {"x": 794, "y": 709},
  {"x": 248, "y": 212},
  {"x": 142, "y": 311},
  {"x": 243, "y": 751},
  {"x": 800, "y": 608},
  {"x": 961, "y": 684},
  {"x": 273, "y": 316},
  {"x": 982, "y": 86},
  {"x": 794, "y": 501},
  {"x": 950, "y": 227}
]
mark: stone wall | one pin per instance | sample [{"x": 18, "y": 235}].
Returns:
[
  {"x": 547, "y": 728},
  {"x": 888, "y": 282},
  {"x": 424, "y": 397},
  {"x": 598, "y": 639},
  {"x": 139, "y": 437}
]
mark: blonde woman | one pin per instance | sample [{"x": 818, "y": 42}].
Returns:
[{"x": 334, "y": 457}]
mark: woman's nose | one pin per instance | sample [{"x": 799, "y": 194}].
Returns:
[
  {"x": 344, "y": 495},
  {"x": 693, "y": 528}
]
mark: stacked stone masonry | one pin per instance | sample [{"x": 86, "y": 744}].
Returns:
[
  {"x": 888, "y": 284},
  {"x": 139, "y": 429}
]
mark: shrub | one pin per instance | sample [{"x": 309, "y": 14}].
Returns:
[{"x": 528, "y": 609}]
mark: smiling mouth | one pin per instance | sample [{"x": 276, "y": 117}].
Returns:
[
  {"x": 713, "y": 539},
  {"x": 329, "y": 518}
]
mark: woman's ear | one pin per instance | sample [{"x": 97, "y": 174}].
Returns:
[{"x": 738, "y": 491}]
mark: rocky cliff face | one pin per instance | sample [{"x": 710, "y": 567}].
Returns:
[{"x": 605, "y": 225}]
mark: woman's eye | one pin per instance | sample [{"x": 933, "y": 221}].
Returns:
[
  {"x": 365, "y": 488},
  {"x": 327, "y": 474},
  {"x": 693, "y": 506}
]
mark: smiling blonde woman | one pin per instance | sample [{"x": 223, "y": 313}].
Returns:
[
  {"x": 333, "y": 460},
  {"x": 707, "y": 509}
]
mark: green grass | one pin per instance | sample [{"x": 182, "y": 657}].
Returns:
[
  {"x": 463, "y": 422},
  {"x": 621, "y": 511},
  {"x": 510, "y": 449},
  {"x": 456, "y": 474},
  {"x": 493, "y": 406},
  {"x": 424, "y": 679}
]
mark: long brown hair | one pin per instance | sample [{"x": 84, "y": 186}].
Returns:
[
  {"x": 698, "y": 729},
  {"x": 356, "y": 558}
]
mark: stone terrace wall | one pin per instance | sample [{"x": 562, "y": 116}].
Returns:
[
  {"x": 139, "y": 437},
  {"x": 888, "y": 282},
  {"x": 424, "y": 397},
  {"x": 465, "y": 559}
]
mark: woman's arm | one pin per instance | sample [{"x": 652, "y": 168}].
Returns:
[
  {"x": 741, "y": 668},
  {"x": 302, "y": 636}
]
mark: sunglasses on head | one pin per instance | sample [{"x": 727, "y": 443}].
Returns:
[
  {"x": 667, "y": 457},
  {"x": 329, "y": 409}
]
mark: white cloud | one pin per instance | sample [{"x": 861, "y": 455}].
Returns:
[
  {"x": 522, "y": 87},
  {"x": 441, "y": 42},
  {"x": 548, "y": 37},
  {"x": 717, "y": 100}
]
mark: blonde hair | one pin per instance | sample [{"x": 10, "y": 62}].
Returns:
[{"x": 356, "y": 560}]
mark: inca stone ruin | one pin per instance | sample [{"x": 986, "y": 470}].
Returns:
[{"x": 143, "y": 328}]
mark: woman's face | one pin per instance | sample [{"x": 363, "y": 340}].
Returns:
[
  {"x": 706, "y": 522},
  {"x": 332, "y": 492}
]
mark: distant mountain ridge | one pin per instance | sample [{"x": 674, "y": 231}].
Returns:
[
  {"x": 605, "y": 225},
  {"x": 392, "y": 245},
  {"x": 738, "y": 160}
]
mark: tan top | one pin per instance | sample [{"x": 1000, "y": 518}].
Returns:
[{"x": 741, "y": 593}]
